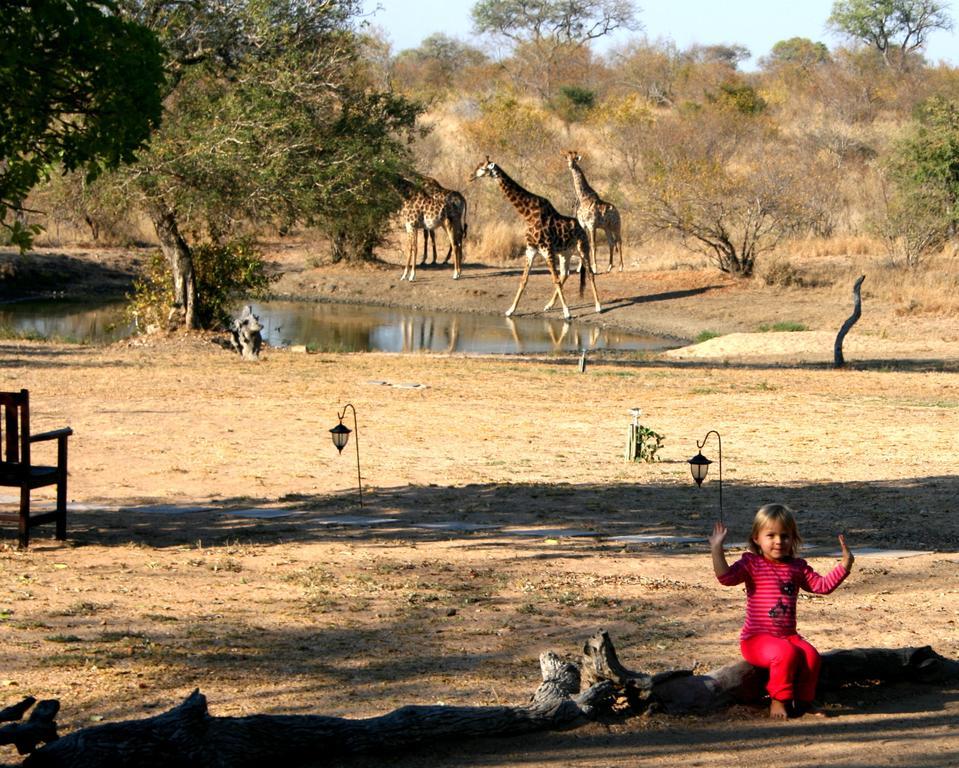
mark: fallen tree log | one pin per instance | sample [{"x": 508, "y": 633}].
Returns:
[
  {"x": 187, "y": 736},
  {"x": 682, "y": 692}
]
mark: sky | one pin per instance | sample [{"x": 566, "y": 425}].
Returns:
[{"x": 757, "y": 24}]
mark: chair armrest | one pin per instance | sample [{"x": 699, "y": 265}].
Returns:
[{"x": 53, "y": 434}]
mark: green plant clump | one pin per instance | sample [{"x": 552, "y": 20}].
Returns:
[
  {"x": 646, "y": 444},
  {"x": 786, "y": 326},
  {"x": 224, "y": 273}
]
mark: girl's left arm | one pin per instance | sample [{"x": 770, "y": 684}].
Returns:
[
  {"x": 847, "y": 557},
  {"x": 823, "y": 585}
]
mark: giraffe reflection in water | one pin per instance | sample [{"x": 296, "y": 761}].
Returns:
[
  {"x": 420, "y": 334},
  {"x": 567, "y": 337}
]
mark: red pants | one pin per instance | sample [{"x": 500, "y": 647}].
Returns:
[{"x": 792, "y": 662}]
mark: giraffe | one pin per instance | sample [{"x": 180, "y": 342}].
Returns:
[
  {"x": 595, "y": 213},
  {"x": 456, "y": 210},
  {"x": 548, "y": 233},
  {"x": 426, "y": 206}
]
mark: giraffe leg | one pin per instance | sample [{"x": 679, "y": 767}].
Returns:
[
  {"x": 558, "y": 282},
  {"x": 592, "y": 284},
  {"x": 456, "y": 246},
  {"x": 610, "y": 241},
  {"x": 530, "y": 255},
  {"x": 409, "y": 272},
  {"x": 410, "y": 248},
  {"x": 563, "y": 274},
  {"x": 426, "y": 245},
  {"x": 592, "y": 249}
]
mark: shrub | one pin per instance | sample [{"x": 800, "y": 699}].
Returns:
[{"x": 224, "y": 273}]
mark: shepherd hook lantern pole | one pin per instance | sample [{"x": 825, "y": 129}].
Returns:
[
  {"x": 341, "y": 435},
  {"x": 699, "y": 466}
]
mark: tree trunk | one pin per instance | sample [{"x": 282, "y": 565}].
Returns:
[
  {"x": 180, "y": 259},
  {"x": 188, "y": 737},
  {"x": 838, "y": 360}
]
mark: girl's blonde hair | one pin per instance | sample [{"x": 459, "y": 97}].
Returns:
[{"x": 775, "y": 513}]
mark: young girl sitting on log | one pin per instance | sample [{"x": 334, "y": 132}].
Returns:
[{"x": 773, "y": 576}]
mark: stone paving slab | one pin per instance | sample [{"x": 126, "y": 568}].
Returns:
[
  {"x": 897, "y": 554},
  {"x": 643, "y": 538},
  {"x": 353, "y": 520},
  {"x": 167, "y": 509},
  {"x": 454, "y": 525},
  {"x": 551, "y": 532},
  {"x": 263, "y": 514}
]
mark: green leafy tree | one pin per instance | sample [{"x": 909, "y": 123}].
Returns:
[
  {"x": 270, "y": 118},
  {"x": 921, "y": 210},
  {"x": 895, "y": 28},
  {"x": 739, "y": 96},
  {"x": 574, "y": 103},
  {"x": 549, "y": 32},
  {"x": 728, "y": 55},
  {"x": 928, "y": 156},
  {"x": 81, "y": 90},
  {"x": 797, "y": 53}
]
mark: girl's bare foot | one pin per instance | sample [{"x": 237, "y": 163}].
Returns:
[{"x": 777, "y": 710}]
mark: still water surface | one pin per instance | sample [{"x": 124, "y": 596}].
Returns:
[{"x": 347, "y": 328}]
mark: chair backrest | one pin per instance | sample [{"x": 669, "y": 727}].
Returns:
[{"x": 15, "y": 427}]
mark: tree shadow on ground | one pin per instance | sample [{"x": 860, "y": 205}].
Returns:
[{"x": 889, "y": 514}]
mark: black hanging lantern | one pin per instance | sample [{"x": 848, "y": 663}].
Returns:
[
  {"x": 341, "y": 436},
  {"x": 699, "y": 467}
]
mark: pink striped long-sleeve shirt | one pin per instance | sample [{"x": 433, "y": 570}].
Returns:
[{"x": 772, "y": 588}]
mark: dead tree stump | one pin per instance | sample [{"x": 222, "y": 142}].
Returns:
[
  {"x": 838, "y": 360},
  {"x": 245, "y": 336}
]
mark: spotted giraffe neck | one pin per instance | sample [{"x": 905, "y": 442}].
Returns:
[
  {"x": 583, "y": 191},
  {"x": 524, "y": 201}
]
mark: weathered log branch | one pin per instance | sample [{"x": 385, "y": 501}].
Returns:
[
  {"x": 838, "y": 359},
  {"x": 187, "y": 736},
  {"x": 740, "y": 683}
]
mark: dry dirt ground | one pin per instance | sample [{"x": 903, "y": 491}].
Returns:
[{"x": 493, "y": 493}]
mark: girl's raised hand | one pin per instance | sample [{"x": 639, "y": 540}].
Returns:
[
  {"x": 847, "y": 556},
  {"x": 718, "y": 536}
]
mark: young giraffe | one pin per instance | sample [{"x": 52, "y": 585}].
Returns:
[
  {"x": 456, "y": 209},
  {"x": 426, "y": 206},
  {"x": 548, "y": 233},
  {"x": 594, "y": 213}
]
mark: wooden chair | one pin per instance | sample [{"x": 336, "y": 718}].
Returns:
[{"x": 17, "y": 470}]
